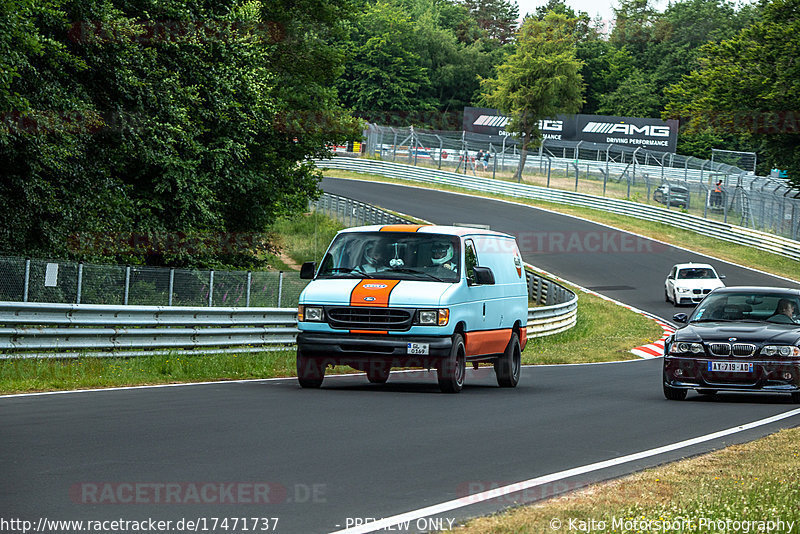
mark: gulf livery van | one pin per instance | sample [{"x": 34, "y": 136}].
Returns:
[{"x": 433, "y": 297}]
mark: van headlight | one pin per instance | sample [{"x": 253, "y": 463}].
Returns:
[
  {"x": 310, "y": 313},
  {"x": 786, "y": 351},
  {"x": 438, "y": 317}
]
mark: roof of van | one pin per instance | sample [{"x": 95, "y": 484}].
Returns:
[{"x": 426, "y": 228}]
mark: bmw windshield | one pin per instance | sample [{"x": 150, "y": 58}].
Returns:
[
  {"x": 748, "y": 306},
  {"x": 393, "y": 255}
]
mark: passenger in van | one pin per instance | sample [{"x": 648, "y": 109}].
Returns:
[{"x": 375, "y": 258}]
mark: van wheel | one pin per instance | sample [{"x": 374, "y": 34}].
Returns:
[
  {"x": 310, "y": 372},
  {"x": 378, "y": 373},
  {"x": 508, "y": 366},
  {"x": 451, "y": 370}
]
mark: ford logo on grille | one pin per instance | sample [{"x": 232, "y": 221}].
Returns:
[
  {"x": 369, "y": 299},
  {"x": 374, "y": 286}
]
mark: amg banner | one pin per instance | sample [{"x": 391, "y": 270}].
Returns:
[{"x": 654, "y": 134}]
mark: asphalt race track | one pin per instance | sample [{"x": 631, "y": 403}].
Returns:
[{"x": 319, "y": 460}]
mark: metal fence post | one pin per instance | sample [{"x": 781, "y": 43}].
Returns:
[
  {"x": 249, "y": 284},
  {"x": 127, "y": 285},
  {"x": 211, "y": 288},
  {"x": 280, "y": 287},
  {"x": 171, "y": 286},
  {"x": 80, "y": 284},
  {"x": 26, "y": 284}
]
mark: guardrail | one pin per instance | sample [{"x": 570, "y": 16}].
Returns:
[
  {"x": 54, "y": 330},
  {"x": 71, "y": 330},
  {"x": 719, "y": 230}
]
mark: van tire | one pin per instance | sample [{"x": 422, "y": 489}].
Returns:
[
  {"x": 508, "y": 366},
  {"x": 452, "y": 369},
  {"x": 310, "y": 372},
  {"x": 378, "y": 373}
]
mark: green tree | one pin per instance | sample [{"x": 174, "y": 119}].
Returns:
[
  {"x": 384, "y": 71},
  {"x": 747, "y": 86},
  {"x": 163, "y": 118},
  {"x": 539, "y": 80}
]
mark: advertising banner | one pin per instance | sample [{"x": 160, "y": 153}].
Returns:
[{"x": 653, "y": 134}]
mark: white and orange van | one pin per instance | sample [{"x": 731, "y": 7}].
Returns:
[{"x": 433, "y": 297}]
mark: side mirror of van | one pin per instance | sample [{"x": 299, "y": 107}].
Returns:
[
  {"x": 483, "y": 276},
  {"x": 680, "y": 317},
  {"x": 307, "y": 270}
]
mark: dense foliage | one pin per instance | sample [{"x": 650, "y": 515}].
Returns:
[{"x": 163, "y": 131}]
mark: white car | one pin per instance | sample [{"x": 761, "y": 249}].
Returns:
[{"x": 689, "y": 283}]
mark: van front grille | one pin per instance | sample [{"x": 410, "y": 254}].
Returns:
[{"x": 358, "y": 317}]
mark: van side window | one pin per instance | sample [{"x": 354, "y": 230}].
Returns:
[{"x": 470, "y": 259}]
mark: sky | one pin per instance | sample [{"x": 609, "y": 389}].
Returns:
[{"x": 592, "y": 7}]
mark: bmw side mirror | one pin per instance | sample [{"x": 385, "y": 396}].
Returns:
[
  {"x": 483, "y": 275},
  {"x": 680, "y": 317},
  {"x": 307, "y": 270},
  {"x": 722, "y": 277}
]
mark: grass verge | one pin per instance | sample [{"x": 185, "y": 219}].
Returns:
[
  {"x": 741, "y": 255},
  {"x": 591, "y": 340},
  {"x": 754, "y": 482}
]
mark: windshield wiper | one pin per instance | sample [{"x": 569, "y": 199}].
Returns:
[
  {"x": 348, "y": 270},
  {"x": 406, "y": 270},
  {"x": 714, "y": 321}
]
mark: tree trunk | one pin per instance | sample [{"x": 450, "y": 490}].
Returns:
[{"x": 523, "y": 155}]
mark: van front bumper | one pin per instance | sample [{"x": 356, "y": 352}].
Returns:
[{"x": 357, "y": 350}]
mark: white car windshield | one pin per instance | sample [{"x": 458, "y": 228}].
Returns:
[
  {"x": 696, "y": 273},
  {"x": 393, "y": 255}
]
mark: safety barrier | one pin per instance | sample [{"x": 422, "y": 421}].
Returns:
[
  {"x": 719, "y": 230},
  {"x": 54, "y": 330}
]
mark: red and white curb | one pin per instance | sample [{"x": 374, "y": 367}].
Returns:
[
  {"x": 651, "y": 350},
  {"x": 655, "y": 349}
]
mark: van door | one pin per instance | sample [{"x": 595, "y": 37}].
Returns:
[{"x": 477, "y": 293}]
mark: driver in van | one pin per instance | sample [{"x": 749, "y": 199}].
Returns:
[{"x": 442, "y": 253}]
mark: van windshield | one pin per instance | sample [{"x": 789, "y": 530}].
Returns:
[{"x": 393, "y": 255}]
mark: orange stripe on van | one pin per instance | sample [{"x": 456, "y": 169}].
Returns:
[
  {"x": 369, "y": 331},
  {"x": 372, "y": 292},
  {"x": 402, "y": 227},
  {"x": 487, "y": 341},
  {"x": 523, "y": 338}
]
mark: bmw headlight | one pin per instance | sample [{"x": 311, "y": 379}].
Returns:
[
  {"x": 683, "y": 289},
  {"x": 785, "y": 351},
  {"x": 686, "y": 348}
]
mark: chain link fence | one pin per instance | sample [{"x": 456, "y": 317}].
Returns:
[
  {"x": 31, "y": 280},
  {"x": 710, "y": 189}
]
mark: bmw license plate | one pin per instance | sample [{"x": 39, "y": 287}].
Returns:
[
  {"x": 731, "y": 367},
  {"x": 420, "y": 349}
]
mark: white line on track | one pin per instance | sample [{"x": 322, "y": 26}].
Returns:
[{"x": 441, "y": 508}]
